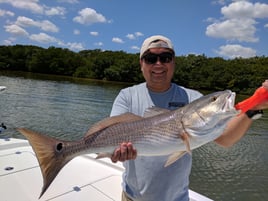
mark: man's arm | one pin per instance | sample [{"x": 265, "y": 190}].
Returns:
[
  {"x": 235, "y": 130},
  {"x": 239, "y": 125}
]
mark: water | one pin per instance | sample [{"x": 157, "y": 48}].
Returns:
[
  {"x": 61, "y": 108},
  {"x": 66, "y": 108}
]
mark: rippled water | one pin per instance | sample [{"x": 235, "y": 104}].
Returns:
[
  {"x": 59, "y": 108},
  {"x": 66, "y": 108},
  {"x": 237, "y": 173}
]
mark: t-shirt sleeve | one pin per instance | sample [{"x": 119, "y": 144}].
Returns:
[
  {"x": 120, "y": 105},
  {"x": 193, "y": 94}
]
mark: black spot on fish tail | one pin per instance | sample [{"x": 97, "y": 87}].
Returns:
[{"x": 59, "y": 147}]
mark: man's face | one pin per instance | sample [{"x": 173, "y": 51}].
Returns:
[{"x": 157, "y": 66}]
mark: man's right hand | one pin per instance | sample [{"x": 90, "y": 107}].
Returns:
[{"x": 124, "y": 152}]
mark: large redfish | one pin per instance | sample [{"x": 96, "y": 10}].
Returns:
[{"x": 159, "y": 132}]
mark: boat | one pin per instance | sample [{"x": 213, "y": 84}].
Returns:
[{"x": 84, "y": 178}]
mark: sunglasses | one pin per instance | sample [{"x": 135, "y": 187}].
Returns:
[{"x": 165, "y": 57}]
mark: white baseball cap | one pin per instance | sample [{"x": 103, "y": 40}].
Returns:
[{"x": 156, "y": 42}]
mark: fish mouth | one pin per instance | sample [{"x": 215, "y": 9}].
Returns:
[{"x": 230, "y": 102}]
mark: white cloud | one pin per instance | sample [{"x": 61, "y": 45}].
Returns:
[
  {"x": 43, "y": 38},
  {"x": 234, "y": 30},
  {"x": 44, "y": 25},
  {"x": 238, "y": 22},
  {"x": 25, "y": 21},
  {"x": 245, "y": 9},
  {"x": 233, "y": 51},
  {"x": 31, "y": 5},
  {"x": 34, "y": 7},
  {"x": 75, "y": 46},
  {"x": 94, "y": 33},
  {"x": 6, "y": 13},
  {"x": 68, "y": 1},
  {"x": 261, "y": 10},
  {"x": 117, "y": 40},
  {"x": 138, "y": 34},
  {"x": 134, "y": 36},
  {"x": 98, "y": 44},
  {"x": 89, "y": 16},
  {"x": 76, "y": 32},
  {"x": 220, "y": 2},
  {"x": 130, "y": 36},
  {"x": 135, "y": 48},
  {"x": 16, "y": 30},
  {"x": 211, "y": 20},
  {"x": 9, "y": 41},
  {"x": 55, "y": 11}
]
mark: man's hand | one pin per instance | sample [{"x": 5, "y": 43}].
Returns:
[
  {"x": 258, "y": 101},
  {"x": 263, "y": 105},
  {"x": 124, "y": 152}
]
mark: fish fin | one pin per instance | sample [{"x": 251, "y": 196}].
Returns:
[
  {"x": 185, "y": 138},
  {"x": 109, "y": 121},
  {"x": 104, "y": 155},
  {"x": 177, "y": 155},
  {"x": 48, "y": 153},
  {"x": 174, "y": 157},
  {"x": 153, "y": 111}
]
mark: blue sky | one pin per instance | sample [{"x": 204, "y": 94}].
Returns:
[{"x": 225, "y": 28}]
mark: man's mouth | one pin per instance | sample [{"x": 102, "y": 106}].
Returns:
[{"x": 158, "y": 72}]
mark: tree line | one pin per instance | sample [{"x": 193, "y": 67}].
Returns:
[{"x": 241, "y": 75}]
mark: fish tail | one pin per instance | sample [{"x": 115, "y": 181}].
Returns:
[
  {"x": 48, "y": 151},
  {"x": 260, "y": 95}
]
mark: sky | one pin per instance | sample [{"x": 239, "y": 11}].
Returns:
[{"x": 214, "y": 28}]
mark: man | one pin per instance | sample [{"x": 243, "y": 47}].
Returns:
[{"x": 146, "y": 178}]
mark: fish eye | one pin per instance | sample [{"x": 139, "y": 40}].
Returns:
[{"x": 214, "y": 98}]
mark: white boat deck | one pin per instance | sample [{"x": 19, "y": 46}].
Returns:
[{"x": 83, "y": 179}]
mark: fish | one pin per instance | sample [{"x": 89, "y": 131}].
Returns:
[
  {"x": 259, "y": 96},
  {"x": 159, "y": 132}
]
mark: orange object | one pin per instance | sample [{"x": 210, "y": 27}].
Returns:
[{"x": 260, "y": 95}]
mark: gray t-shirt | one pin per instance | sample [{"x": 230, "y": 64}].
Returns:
[{"x": 146, "y": 178}]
